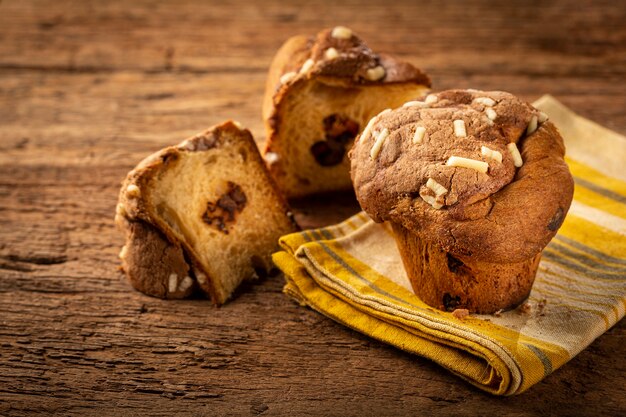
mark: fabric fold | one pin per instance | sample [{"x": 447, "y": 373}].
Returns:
[{"x": 352, "y": 273}]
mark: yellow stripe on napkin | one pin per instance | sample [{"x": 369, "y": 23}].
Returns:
[{"x": 352, "y": 273}]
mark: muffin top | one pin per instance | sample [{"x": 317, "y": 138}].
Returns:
[{"x": 479, "y": 173}]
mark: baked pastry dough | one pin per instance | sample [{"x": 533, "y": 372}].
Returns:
[
  {"x": 474, "y": 201},
  {"x": 320, "y": 93},
  {"x": 203, "y": 214}
]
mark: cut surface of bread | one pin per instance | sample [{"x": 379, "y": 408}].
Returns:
[
  {"x": 317, "y": 102},
  {"x": 212, "y": 196}
]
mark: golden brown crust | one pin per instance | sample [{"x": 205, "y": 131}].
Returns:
[
  {"x": 289, "y": 57},
  {"x": 349, "y": 69},
  {"x": 154, "y": 265},
  {"x": 136, "y": 216},
  {"x": 448, "y": 283},
  {"x": 137, "y": 208},
  {"x": 506, "y": 215}
]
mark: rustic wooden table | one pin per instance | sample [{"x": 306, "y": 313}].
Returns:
[{"x": 89, "y": 88}]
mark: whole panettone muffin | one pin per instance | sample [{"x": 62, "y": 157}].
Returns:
[{"x": 474, "y": 185}]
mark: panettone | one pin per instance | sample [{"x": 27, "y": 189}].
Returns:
[
  {"x": 474, "y": 185},
  {"x": 204, "y": 214},
  {"x": 320, "y": 93}
]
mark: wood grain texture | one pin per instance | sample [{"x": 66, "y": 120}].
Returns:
[{"x": 88, "y": 88}]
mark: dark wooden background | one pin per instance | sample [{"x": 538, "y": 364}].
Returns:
[{"x": 89, "y": 88}]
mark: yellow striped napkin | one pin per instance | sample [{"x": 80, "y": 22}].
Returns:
[{"x": 352, "y": 273}]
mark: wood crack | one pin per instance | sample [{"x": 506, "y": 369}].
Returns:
[{"x": 37, "y": 260}]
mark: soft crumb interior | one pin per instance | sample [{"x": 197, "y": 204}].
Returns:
[
  {"x": 307, "y": 108},
  {"x": 181, "y": 196}
]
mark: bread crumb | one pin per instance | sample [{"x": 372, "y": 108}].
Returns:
[
  {"x": 525, "y": 308},
  {"x": 460, "y": 313},
  {"x": 498, "y": 313},
  {"x": 541, "y": 305}
]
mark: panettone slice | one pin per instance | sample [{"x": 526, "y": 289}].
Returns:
[
  {"x": 205, "y": 214},
  {"x": 321, "y": 92}
]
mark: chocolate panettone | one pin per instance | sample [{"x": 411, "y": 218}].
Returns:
[
  {"x": 204, "y": 214},
  {"x": 320, "y": 93},
  {"x": 474, "y": 185}
]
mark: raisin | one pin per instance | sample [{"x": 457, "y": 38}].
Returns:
[
  {"x": 454, "y": 264},
  {"x": 339, "y": 132},
  {"x": 556, "y": 220},
  {"x": 327, "y": 153},
  {"x": 225, "y": 209},
  {"x": 450, "y": 303}
]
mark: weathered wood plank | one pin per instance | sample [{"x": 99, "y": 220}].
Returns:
[
  {"x": 89, "y": 88},
  {"x": 565, "y": 37},
  {"x": 118, "y": 118}
]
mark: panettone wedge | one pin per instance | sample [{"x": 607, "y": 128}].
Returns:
[
  {"x": 321, "y": 92},
  {"x": 204, "y": 213}
]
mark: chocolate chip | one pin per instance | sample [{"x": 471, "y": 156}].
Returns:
[
  {"x": 225, "y": 208},
  {"x": 238, "y": 196},
  {"x": 259, "y": 266},
  {"x": 339, "y": 132},
  {"x": 345, "y": 137},
  {"x": 327, "y": 153},
  {"x": 329, "y": 122},
  {"x": 454, "y": 264},
  {"x": 450, "y": 303},
  {"x": 336, "y": 125},
  {"x": 556, "y": 220}
]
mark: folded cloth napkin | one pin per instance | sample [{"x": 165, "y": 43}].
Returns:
[{"x": 352, "y": 273}]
